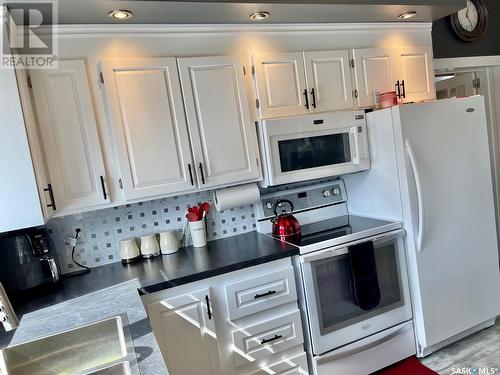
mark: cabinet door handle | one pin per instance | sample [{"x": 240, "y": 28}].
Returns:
[
  {"x": 268, "y": 293},
  {"x": 105, "y": 195},
  {"x": 190, "y": 173},
  {"x": 313, "y": 93},
  {"x": 307, "y": 98},
  {"x": 398, "y": 88},
  {"x": 202, "y": 175},
  {"x": 276, "y": 337},
  {"x": 209, "y": 310},
  {"x": 404, "y": 90},
  {"x": 51, "y": 195}
]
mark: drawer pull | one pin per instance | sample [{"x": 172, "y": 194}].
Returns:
[
  {"x": 276, "y": 337},
  {"x": 268, "y": 293}
]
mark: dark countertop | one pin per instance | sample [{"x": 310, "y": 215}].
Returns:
[{"x": 189, "y": 264}]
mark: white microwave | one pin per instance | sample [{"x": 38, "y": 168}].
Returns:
[{"x": 314, "y": 146}]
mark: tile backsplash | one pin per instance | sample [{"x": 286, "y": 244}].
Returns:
[{"x": 103, "y": 229}]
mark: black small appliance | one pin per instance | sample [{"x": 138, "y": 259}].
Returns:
[{"x": 26, "y": 259}]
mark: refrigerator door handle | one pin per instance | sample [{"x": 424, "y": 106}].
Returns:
[{"x": 414, "y": 167}]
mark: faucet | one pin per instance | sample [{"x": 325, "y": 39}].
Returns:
[{"x": 8, "y": 317}]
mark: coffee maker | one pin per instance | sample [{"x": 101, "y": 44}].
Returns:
[{"x": 27, "y": 260}]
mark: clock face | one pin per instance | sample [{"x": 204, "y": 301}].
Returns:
[
  {"x": 469, "y": 17},
  {"x": 470, "y": 23}
]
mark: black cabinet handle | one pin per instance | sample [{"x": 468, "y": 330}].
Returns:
[
  {"x": 105, "y": 195},
  {"x": 268, "y": 293},
  {"x": 202, "y": 175},
  {"x": 276, "y": 337},
  {"x": 398, "y": 88},
  {"x": 404, "y": 90},
  {"x": 51, "y": 195},
  {"x": 313, "y": 93},
  {"x": 209, "y": 310},
  {"x": 307, "y": 98},
  {"x": 190, "y": 173}
]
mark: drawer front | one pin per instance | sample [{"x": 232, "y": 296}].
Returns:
[
  {"x": 295, "y": 365},
  {"x": 268, "y": 337},
  {"x": 369, "y": 354},
  {"x": 260, "y": 293}
]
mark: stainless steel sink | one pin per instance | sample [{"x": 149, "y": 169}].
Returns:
[{"x": 102, "y": 348}]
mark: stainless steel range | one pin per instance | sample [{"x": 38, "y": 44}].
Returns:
[{"x": 352, "y": 278}]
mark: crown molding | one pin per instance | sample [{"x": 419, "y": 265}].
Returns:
[{"x": 161, "y": 30}]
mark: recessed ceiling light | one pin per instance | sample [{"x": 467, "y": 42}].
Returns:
[
  {"x": 120, "y": 14},
  {"x": 406, "y": 15},
  {"x": 257, "y": 16}
]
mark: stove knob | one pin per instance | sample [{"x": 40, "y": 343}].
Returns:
[
  {"x": 336, "y": 191},
  {"x": 326, "y": 193},
  {"x": 269, "y": 205}
]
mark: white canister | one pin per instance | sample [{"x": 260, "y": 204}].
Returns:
[
  {"x": 169, "y": 242},
  {"x": 129, "y": 251},
  {"x": 198, "y": 233},
  {"x": 149, "y": 246}
]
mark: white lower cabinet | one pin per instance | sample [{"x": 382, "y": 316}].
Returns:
[{"x": 197, "y": 335}]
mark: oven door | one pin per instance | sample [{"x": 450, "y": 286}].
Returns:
[{"x": 334, "y": 318}]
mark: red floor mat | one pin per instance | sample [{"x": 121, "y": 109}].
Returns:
[{"x": 409, "y": 366}]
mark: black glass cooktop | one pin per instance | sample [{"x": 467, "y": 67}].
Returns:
[{"x": 337, "y": 227}]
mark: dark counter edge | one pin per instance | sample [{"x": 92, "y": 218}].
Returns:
[
  {"x": 114, "y": 273},
  {"x": 217, "y": 271}
]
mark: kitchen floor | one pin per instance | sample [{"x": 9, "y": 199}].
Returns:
[{"x": 481, "y": 350}]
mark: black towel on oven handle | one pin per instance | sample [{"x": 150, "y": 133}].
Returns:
[{"x": 364, "y": 280}]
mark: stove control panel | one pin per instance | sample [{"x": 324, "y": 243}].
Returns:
[{"x": 304, "y": 198}]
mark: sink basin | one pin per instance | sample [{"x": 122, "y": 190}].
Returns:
[
  {"x": 102, "y": 348},
  {"x": 122, "y": 368}
]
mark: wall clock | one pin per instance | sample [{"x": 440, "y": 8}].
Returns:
[{"x": 470, "y": 23}]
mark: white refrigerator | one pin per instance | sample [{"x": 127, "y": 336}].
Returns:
[{"x": 431, "y": 169}]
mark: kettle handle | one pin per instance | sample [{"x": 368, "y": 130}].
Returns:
[{"x": 275, "y": 208}]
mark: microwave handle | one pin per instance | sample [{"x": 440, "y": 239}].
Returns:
[{"x": 354, "y": 132}]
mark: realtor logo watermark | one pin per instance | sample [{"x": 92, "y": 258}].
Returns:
[
  {"x": 29, "y": 37},
  {"x": 473, "y": 370}
]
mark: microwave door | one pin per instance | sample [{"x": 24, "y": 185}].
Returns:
[{"x": 311, "y": 155}]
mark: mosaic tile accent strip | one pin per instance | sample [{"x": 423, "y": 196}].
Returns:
[{"x": 103, "y": 229}]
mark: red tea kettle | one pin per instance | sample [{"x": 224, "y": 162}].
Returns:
[{"x": 285, "y": 226}]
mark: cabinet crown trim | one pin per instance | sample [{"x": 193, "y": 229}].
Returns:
[{"x": 155, "y": 30}]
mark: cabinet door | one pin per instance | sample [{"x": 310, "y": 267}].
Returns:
[
  {"x": 374, "y": 70},
  {"x": 328, "y": 80},
  {"x": 223, "y": 136},
  {"x": 69, "y": 136},
  {"x": 149, "y": 126},
  {"x": 19, "y": 201},
  {"x": 281, "y": 84},
  {"x": 416, "y": 69},
  {"x": 184, "y": 328}
]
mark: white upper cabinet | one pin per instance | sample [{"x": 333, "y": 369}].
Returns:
[
  {"x": 222, "y": 133},
  {"x": 149, "y": 126},
  {"x": 296, "y": 83},
  {"x": 408, "y": 71},
  {"x": 69, "y": 136},
  {"x": 374, "y": 70},
  {"x": 19, "y": 201},
  {"x": 328, "y": 80},
  {"x": 416, "y": 74},
  {"x": 281, "y": 84}
]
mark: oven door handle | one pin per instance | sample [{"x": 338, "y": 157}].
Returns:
[
  {"x": 336, "y": 251},
  {"x": 416, "y": 175},
  {"x": 368, "y": 346}
]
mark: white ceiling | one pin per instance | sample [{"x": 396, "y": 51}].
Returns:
[{"x": 228, "y": 11}]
